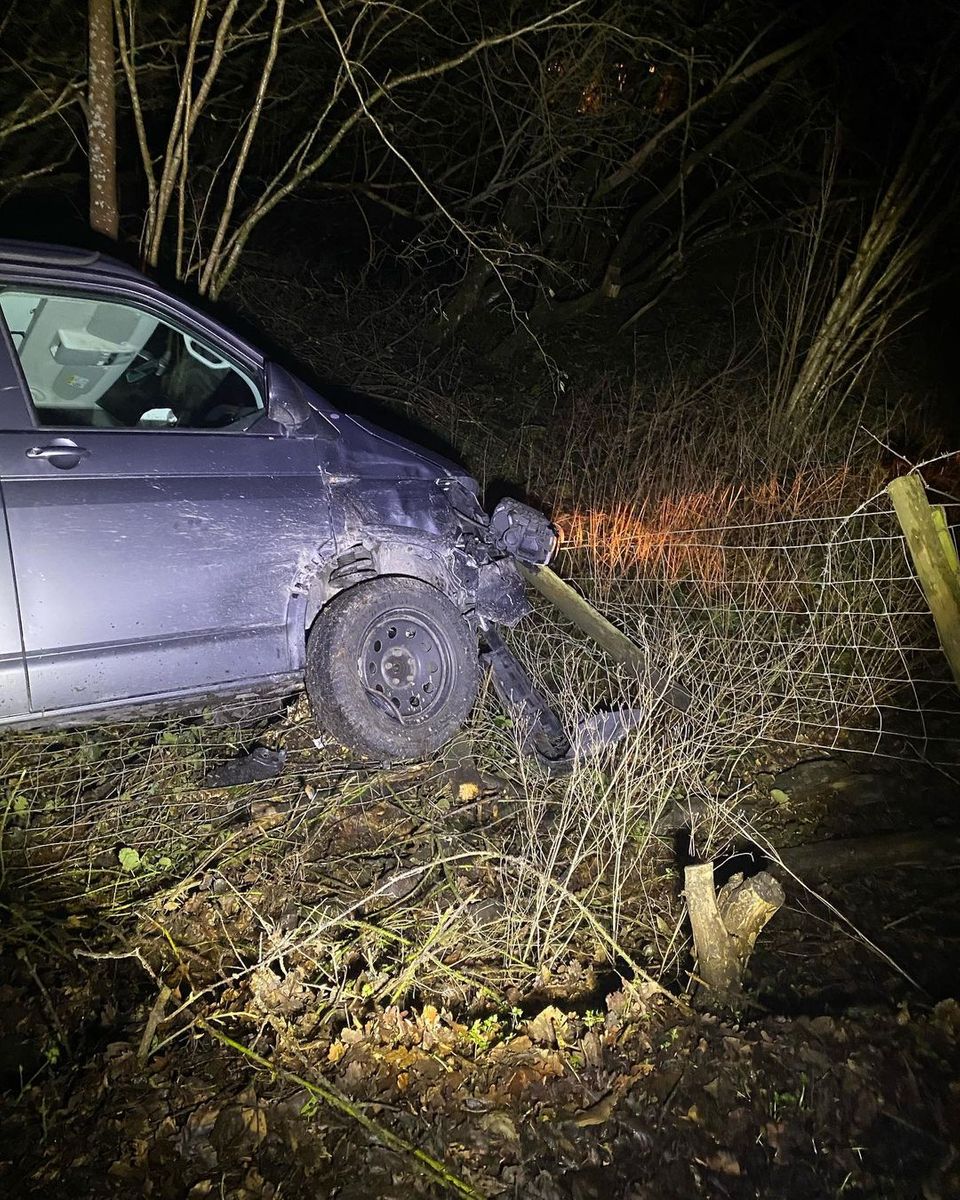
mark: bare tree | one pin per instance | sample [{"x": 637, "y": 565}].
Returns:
[
  {"x": 102, "y": 120},
  {"x": 220, "y": 173},
  {"x": 884, "y": 276},
  {"x": 607, "y": 186},
  {"x": 41, "y": 88}
]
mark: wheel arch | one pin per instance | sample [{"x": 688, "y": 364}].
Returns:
[{"x": 405, "y": 554}]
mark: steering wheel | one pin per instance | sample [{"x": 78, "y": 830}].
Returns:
[
  {"x": 243, "y": 421},
  {"x": 227, "y": 416},
  {"x": 151, "y": 365}
]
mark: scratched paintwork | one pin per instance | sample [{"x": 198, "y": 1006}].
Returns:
[{"x": 174, "y": 564}]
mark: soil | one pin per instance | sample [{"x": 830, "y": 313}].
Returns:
[{"x": 837, "y": 1075}]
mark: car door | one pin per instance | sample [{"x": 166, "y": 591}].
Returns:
[
  {"x": 13, "y": 677},
  {"x": 157, "y": 518}
]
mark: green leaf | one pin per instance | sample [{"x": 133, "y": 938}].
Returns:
[
  {"x": 779, "y": 796},
  {"x": 129, "y": 859}
]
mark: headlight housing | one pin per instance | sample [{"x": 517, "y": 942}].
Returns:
[{"x": 521, "y": 531}]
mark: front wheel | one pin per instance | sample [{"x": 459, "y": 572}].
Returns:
[{"x": 392, "y": 669}]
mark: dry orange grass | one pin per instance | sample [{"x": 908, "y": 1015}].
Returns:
[{"x": 684, "y": 535}]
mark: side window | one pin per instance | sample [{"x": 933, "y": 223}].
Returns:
[{"x": 105, "y": 364}]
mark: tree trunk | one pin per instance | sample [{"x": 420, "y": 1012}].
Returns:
[
  {"x": 516, "y": 223},
  {"x": 102, "y": 120}
]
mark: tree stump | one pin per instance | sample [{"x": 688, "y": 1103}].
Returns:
[{"x": 726, "y": 925}]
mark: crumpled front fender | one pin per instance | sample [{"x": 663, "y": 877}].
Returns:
[{"x": 435, "y": 531}]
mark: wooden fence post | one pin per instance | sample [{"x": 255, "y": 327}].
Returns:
[
  {"x": 934, "y": 558},
  {"x": 593, "y": 623}
]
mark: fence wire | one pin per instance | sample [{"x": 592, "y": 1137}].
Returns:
[{"x": 811, "y": 630}]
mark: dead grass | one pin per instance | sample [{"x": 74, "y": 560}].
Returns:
[{"x": 779, "y": 591}]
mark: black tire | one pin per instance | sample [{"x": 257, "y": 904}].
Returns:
[{"x": 392, "y": 669}]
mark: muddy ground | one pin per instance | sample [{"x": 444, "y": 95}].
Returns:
[{"x": 166, "y": 1032}]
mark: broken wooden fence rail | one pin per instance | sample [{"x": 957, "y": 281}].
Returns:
[
  {"x": 612, "y": 640},
  {"x": 935, "y": 560},
  {"x": 865, "y": 855}
]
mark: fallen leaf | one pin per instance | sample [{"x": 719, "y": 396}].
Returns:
[
  {"x": 723, "y": 1162},
  {"x": 547, "y": 1026},
  {"x": 599, "y": 1113},
  {"x": 500, "y": 1125},
  {"x": 255, "y": 1122}
]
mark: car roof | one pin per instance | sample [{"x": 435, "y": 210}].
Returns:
[
  {"x": 14, "y": 252},
  {"x": 33, "y": 260}
]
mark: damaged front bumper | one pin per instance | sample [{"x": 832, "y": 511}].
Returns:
[
  {"x": 521, "y": 534},
  {"x": 514, "y": 533}
]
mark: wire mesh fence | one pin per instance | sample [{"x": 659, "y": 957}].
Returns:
[
  {"x": 108, "y": 810},
  {"x": 810, "y": 628}
]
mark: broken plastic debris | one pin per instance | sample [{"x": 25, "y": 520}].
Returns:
[
  {"x": 260, "y": 763},
  {"x": 541, "y": 732},
  {"x": 604, "y": 729}
]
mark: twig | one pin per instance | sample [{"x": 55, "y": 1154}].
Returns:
[
  {"x": 48, "y": 1005},
  {"x": 329, "y": 1095},
  {"x": 116, "y": 955},
  {"x": 606, "y": 937},
  {"x": 154, "y": 1019}
]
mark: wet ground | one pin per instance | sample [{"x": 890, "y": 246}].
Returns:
[{"x": 219, "y": 1018}]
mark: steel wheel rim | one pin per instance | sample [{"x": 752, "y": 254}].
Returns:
[{"x": 405, "y": 665}]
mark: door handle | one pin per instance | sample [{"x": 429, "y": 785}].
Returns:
[{"x": 61, "y": 452}]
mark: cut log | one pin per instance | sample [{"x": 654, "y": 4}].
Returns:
[
  {"x": 862, "y": 855},
  {"x": 717, "y": 965},
  {"x": 746, "y": 905},
  {"x": 726, "y": 926}
]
